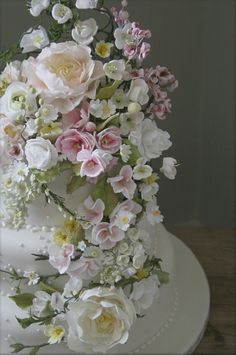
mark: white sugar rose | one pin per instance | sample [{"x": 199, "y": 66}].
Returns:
[
  {"x": 40, "y": 154},
  {"x": 153, "y": 141},
  {"x": 86, "y": 4},
  {"x": 100, "y": 319},
  {"x": 144, "y": 292},
  {"x": 17, "y": 101},
  {"x": 64, "y": 74},
  {"x": 84, "y": 31},
  {"x": 61, "y": 13},
  {"x": 34, "y": 39},
  {"x": 37, "y": 6}
]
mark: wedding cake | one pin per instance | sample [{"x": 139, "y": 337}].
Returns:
[{"x": 85, "y": 259}]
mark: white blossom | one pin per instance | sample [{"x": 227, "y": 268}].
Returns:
[
  {"x": 114, "y": 69},
  {"x": 47, "y": 113},
  {"x": 61, "y": 13},
  {"x": 144, "y": 292},
  {"x": 102, "y": 109},
  {"x": 148, "y": 191},
  {"x": 32, "y": 276},
  {"x": 131, "y": 122},
  {"x": 86, "y": 4},
  {"x": 84, "y": 31},
  {"x": 125, "y": 152},
  {"x": 41, "y": 154},
  {"x": 37, "y": 6},
  {"x": 153, "y": 213},
  {"x": 169, "y": 168},
  {"x": 138, "y": 91},
  {"x": 123, "y": 36},
  {"x": 141, "y": 170},
  {"x": 34, "y": 39},
  {"x": 120, "y": 99}
]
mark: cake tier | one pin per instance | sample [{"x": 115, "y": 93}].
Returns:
[{"x": 16, "y": 249}]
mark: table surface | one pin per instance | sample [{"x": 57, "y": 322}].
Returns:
[{"x": 215, "y": 249}]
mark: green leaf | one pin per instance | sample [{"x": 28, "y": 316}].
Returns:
[
  {"x": 34, "y": 351},
  {"x": 24, "y": 322},
  {"x": 23, "y": 300},
  {"x": 135, "y": 155},
  {"x": 17, "y": 347},
  {"x": 47, "y": 288},
  {"x": 104, "y": 191},
  {"x": 75, "y": 183},
  {"x": 163, "y": 276},
  {"x": 107, "y": 91}
]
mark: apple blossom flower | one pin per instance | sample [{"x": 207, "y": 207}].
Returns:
[
  {"x": 166, "y": 79},
  {"x": 85, "y": 268},
  {"x": 61, "y": 13},
  {"x": 40, "y": 153},
  {"x": 37, "y": 6},
  {"x": 72, "y": 142},
  {"x": 91, "y": 211},
  {"x": 109, "y": 140},
  {"x": 54, "y": 332},
  {"x": 144, "y": 292},
  {"x": 123, "y": 36},
  {"x": 141, "y": 170},
  {"x": 153, "y": 140},
  {"x": 60, "y": 257},
  {"x": 93, "y": 163},
  {"x": 32, "y": 276},
  {"x": 125, "y": 152},
  {"x": 153, "y": 213},
  {"x": 120, "y": 99},
  {"x": 114, "y": 69},
  {"x": 47, "y": 113},
  {"x": 169, "y": 168},
  {"x": 138, "y": 91},
  {"x": 123, "y": 182},
  {"x": 84, "y": 31},
  {"x": 62, "y": 87},
  {"x": 106, "y": 235},
  {"x": 102, "y": 109},
  {"x": 131, "y": 122},
  {"x": 86, "y": 4},
  {"x": 128, "y": 205},
  {"x": 34, "y": 39}
]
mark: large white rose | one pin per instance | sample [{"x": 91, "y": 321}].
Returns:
[
  {"x": 64, "y": 73},
  {"x": 153, "y": 141},
  {"x": 40, "y": 154},
  {"x": 100, "y": 319},
  {"x": 17, "y": 101}
]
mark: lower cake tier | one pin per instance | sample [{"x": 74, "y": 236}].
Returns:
[{"x": 16, "y": 252}]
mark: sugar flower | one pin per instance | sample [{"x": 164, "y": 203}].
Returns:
[
  {"x": 60, "y": 257},
  {"x": 106, "y": 235},
  {"x": 18, "y": 171},
  {"x": 169, "y": 168},
  {"x": 85, "y": 268},
  {"x": 123, "y": 182},
  {"x": 103, "y": 49},
  {"x": 93, "y": 164},
  {"x": 86, "y": 4},
  {"x": 32, "y": 276},
  {"x": 34, "y": 39},
  {"x": 102, "y": 109},
  {"x": 143, "y": 293},
  {"x": 16, "y": 151},
  {"x": 84, "y": 31},
  {"x": 153, "y": 213},
  {"x": 123, "y": 36},
  {"x": 141, "y": 170},
  {"x": 140, "y": 256},
  {"x": 124, "y": 219},
  {"x": 54, "y": 332},
  {"x": 125, "y": 152},
  {"x": 72, "y": 287},
  {"x": 40, "y": 153},
  {"x": 82, "y": 246},
  {"x": 94, "y": 252},
  {"x": 120, "y": 99},
  {"x": 139, "y": 91},
  {"x": 91, "y": 211},
  {"x": 37, "y": 6},
  {"x": 128, "y": 205},
  {"x": 40, "y": 302},
  {"x": 109, "y": 140},
  {"x": 61, "y": 13},
  {"x": 47, "y": 113},
  {"x": 131, "y": 122},
  {"x": 148, "y": 191},
  {"x": 114, "y": 69}
]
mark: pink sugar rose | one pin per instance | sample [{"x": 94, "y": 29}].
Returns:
[
  {"x": 123, "y": 182},
  {"x": 64, "y": 74},
  {"x": 84, "y": 268},
  {"x": 109, "y": 140},
  {"x": 60, "y": 257},
  {"x": 93, "y": 163},
  {"x": 92, "y": 211},
  {"x": 72, "y": 142},
  {"x": 106, "y": 235}
]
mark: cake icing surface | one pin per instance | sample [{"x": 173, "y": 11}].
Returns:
[{"x": 85, "y": 259}]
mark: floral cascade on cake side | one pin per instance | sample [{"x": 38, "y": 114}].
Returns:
[{"x": 81, "y": 101}]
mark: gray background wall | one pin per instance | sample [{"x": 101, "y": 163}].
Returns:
[{"x": 196, "y": 39}]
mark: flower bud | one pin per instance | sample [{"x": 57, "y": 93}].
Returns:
[{"x": 134, "y": 107}]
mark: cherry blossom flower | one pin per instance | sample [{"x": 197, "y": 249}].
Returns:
[
  {"x": 106, "y": 235},
  {"x": 109, "y": 140},
  {"x": 123, "y": 182},
  {"x": 60, "y": 257},
  {"x": 93, "y": 163},
  {"x": 92, "y": 211}
]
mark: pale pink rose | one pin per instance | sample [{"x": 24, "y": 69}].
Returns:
[
  {"x": 72, "y": 142},
  {"x": 64, "y": 74},
  {"x": 84, "y": 268},
  {"x": 92, "y": 211},
  {"x": 60, "y": 257},
  {"x": 93, "y": 163},
  {"x": 127, "y": 205},
  {"x": 123, "y": 182},
  {"x": 16, "y": 151},
  {"x": 109, "y": 140},
  {"x": 106, "y": 235}
]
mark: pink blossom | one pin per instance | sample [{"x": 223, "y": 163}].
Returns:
[
  {"x": 106, "y": 235},
  {"x": 93, "y": 163},
  {"x": 130, "y": 50},
  {"x": 123, "y": 182},
  {"x": 84, "y": 268},
  {"x": 16, "y": 151},
  {"x": 79, "y": 119},
  {"x": 166, "y": 78},
  {"x": 92, "y": 211},
  {"x": 60, "y": 257},
  {"x": 161, "y": 109},
  {"x": 128, "y": 205},
  {"x": 144, "y": 50},
  {"x": 109, "y": 140},
  {"x": 72, "y": 142}
]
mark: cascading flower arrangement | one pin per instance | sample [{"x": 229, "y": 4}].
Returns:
[{"x": 82, "y": 101}]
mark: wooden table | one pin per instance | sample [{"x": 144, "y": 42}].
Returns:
[{"x": 215, "y": 249}]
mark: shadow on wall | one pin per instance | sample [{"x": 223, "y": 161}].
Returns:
[{"x": 188, "y": 37}]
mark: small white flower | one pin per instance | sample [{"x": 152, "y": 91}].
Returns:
[
  {"x": 86, "y": 4},
  {"x": 40, "y": 302},
  {"x": 114, "y": 69},
  {"x": 131, "y": 122},
  {"x": 32, "y": 276},
  {"x": 169, "y": 168},
  {"x": 141, "y": 171},
  {"x": 93, "y": 252},
  {"x": 11, "y": 73},
  {"x": 144, "y": 292},
  {"x": 133, "y": 234},
  {"x": 120, "y": 99},
  {"x": 54, "y": 332},
  {"x": 123, "y": 36},
  {"x": 125, "y": 152},
  {"x": 84, "y": 31},
  {"x": 82, "y": 245},
  {"x": 19, "y": 171},
  {"x": 139, "y": 91},
  {"x": 139, "y": 255},
  {"x": 34, "y": 39},
  {"x": 31, "y": 127},
  {"x": 41, "y": 154},
  {"x": 37, "y": 6},
  {"x": 123, "y": 248},
  {"x": 153, "y": 213},
  {"x": 47, "y": 113},
  {"x": 124, "y": 219},
  {"x": 61, "y": 13},
  {"x": 148, "y": 191},
  {"x": 123, "y": 260},
  {"x": 102, "y": 109},
  {"x": 72, "y": 287}
]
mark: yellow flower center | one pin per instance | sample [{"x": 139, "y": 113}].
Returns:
[
  {"x": 105, "y": 322},
  {"x": 156, "y": 213}
]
